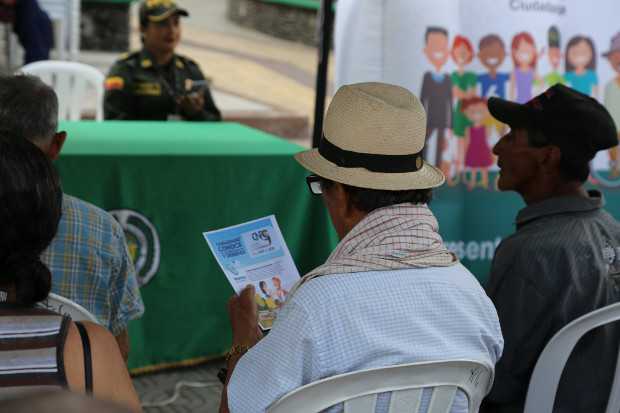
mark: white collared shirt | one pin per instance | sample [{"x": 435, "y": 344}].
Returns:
[{"x": 341, "y": 323}]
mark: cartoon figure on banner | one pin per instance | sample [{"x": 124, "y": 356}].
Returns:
[
  {"x": 491, "y": 53},
  {"x": 464, "y": 87},
  {"x": 524, "y": 58},
  {"x": 612, "y": 103},
  {"x": 478, "y": 158},
  {"x": 436, "y": 96},
  {"x": 554, "y": 54},
  {"x": 580, "y": 70}
]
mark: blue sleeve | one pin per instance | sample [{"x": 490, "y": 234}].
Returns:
[{"x": 287, "y": 358}]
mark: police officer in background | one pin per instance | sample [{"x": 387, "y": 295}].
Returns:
[{"x": 155, "y": 83}]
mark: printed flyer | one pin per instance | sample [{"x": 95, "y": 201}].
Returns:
[{"x": 255, "y": 253}]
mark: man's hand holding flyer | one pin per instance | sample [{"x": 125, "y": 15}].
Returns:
[{"x": 255, "y": 253}]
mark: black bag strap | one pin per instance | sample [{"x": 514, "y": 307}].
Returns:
[{"x": 88, "y": 362}]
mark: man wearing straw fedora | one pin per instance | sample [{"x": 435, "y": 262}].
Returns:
[{"x": 391, "y": 292}]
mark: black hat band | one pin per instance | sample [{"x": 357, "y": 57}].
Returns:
[{"x": 372, "y": 162}]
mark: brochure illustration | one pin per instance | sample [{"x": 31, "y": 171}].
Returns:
[{"x": 255, "y": 253}]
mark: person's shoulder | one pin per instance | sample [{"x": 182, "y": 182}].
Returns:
[
  {"x": 128, "y": 59},
  {"x": 101, "y": 341},
  {"x": 125, "y": 64},
  {"x": 98, "y": 334},
  {"x": 188, "y": 62},
  {"x": 532, "y": 242},
  {"x": 78, "y": 210}
]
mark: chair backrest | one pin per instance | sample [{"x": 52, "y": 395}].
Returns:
[
  {"x": 64, "y": 306},
  {"x": 359, "y": 390},
  {"x": 70, "y": 81},
  {"x": 548, "y": 370}
]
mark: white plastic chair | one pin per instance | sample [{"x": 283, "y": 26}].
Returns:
[
  {"x": 64, "y": 306},
  {"x": 548, "y": 370},
  {"x": 71, "y": 81},
  {"x": 359, "y": 390}
]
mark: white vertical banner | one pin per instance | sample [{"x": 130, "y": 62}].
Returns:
[{"x": 454, "y": 54}]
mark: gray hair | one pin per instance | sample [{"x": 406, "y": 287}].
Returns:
[{"x": 28, "y": 107}]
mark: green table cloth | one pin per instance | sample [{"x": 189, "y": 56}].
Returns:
[{"x": 172, "y": 181}]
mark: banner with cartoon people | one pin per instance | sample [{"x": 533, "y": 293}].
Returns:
[{"x": 455, "y": 54}]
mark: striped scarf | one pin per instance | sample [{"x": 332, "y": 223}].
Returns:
[{"x": 390, "y": 238}]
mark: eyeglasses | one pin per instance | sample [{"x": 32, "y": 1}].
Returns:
[{"x": 315, "y": 184}]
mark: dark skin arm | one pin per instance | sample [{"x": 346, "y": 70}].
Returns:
[
  {"x": 243, "y": 314},
  {"x": 122, "y": 339}
]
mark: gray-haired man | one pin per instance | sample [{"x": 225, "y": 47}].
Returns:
[{"x": 88, "y": 258}]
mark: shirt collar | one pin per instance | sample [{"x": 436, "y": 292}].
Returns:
[
  {"x": 438, "y": 77},
  {"x": 560, "y": 205}
]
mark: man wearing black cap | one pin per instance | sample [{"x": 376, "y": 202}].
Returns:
[
  {"x": 564, "y": 259},
  {"x": 155, "y": 83}
]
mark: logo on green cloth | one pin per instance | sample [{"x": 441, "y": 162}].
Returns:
[{"x": 142, "y": 242}]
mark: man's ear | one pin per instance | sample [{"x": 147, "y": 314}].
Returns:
[
  {"x": 58, "y": 140},
  {"x": 551, "y": 157}
]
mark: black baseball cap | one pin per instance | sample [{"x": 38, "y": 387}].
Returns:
[
  {"x": 576, "y": 123},
  {"x": 159, "y": 10}
]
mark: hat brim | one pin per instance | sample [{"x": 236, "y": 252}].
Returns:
[
  {"x": 427, "y": 177},
  {"x": 511, "y": 113},
  {"x": 171, "y": 12}
]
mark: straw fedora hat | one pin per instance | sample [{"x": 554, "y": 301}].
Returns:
[{"x": 373, "y": 137}]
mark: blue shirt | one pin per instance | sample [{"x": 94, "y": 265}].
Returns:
[
  {"x": 582, "y": 83},
  {"x": 90, "y": 265},
  {"x": 341, "y": 323},
  {"x": 496, "y": 86},
  {"x": 438, "y": 77}
]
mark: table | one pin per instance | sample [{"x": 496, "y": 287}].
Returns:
[{"x": 180, "y": 179}]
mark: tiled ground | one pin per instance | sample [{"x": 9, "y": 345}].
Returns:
[{"x": 160, "y": 387}]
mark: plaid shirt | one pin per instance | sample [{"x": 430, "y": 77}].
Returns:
[{"x": 90, "y": 265}]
